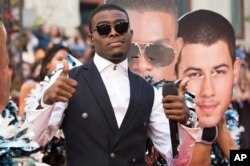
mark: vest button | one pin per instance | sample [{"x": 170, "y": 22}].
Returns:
[
  {"x": 112, "y": 155},
  {"x": 85, "y": 115},
  {"x": 133, "y": 160}
]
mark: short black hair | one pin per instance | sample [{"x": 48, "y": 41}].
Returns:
[
  {"x": 206, "y": 27},
  {"x": 103, "y": 8}
]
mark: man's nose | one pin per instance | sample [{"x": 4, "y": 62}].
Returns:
[
  {"x": 207, "y": 88},
  {"x": 113, "y": 32},
  {"x": 141, "y": 65}
]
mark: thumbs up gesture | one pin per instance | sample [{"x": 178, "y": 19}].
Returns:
[{"x": 62, "y": 89}]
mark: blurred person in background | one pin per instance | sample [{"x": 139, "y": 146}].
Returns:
[
  {"x": 11, "y": 131},
  {"x": 28, "y": 43},
  {"x": 57, "y": 36},
  {"x": 16, "y": 81},
  {"x": 26, "y": 70},
  {"x": 241, "y": 102},
  {"x": 39, "y": 53},
  {"x": 42, "y": 36},
  {"x": 4, "y": 69},
  {"x": 77, "y": 44},
  {"x": 29, "y": 84}
]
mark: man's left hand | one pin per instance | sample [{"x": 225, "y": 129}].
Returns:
[{"x": 175, "y": 106}]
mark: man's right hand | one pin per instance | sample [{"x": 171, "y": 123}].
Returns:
[{"x": 62, "y": 89}]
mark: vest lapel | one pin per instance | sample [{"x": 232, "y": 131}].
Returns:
[{"x": 96, "y": 84}]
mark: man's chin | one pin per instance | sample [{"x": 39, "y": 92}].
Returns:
[
  {"x": 118, "y": 56},
  {"x": 208, "y": 122}
]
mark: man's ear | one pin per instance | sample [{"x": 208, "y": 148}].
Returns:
[
  {"x": 179, "y": 44},
  {"x": 90, "y": 37},
  {"x": 132, "y": 33},
  {"x": 178, "y": 47},
  {"x": 236, "y": 70}
]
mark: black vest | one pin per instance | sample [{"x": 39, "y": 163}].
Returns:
[{"x": 91, "y": 131}]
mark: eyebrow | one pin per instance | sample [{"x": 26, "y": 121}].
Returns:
[
  {"x": 221, "y": 65},
  {"x": 162, "y": 40},
  {"x": 199, "y": 69},
  {"x": 192, "y": 68},
  {"x": 158, "y": 41},
  {"x": 115, "y": 21}
]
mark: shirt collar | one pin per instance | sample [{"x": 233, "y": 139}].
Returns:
[{"x": 102, "y": 63}]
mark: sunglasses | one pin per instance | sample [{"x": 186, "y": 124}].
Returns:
[
  {"x": 104, "y": 29},
  {"x": 156, "y": 54}
]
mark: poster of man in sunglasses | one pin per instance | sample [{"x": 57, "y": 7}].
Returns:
[{"x": 106, "y": 111}]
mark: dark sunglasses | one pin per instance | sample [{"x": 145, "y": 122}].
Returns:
[
  {"x": 157, "y": 54},
  {"x": 104, "y": 29}
]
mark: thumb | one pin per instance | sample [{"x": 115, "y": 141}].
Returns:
[
  {"x": 182, "y": 87},
  {"x": 65, "y": 70}
]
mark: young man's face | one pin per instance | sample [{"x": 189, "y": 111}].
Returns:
[
  {"x": 111, "y": 35},
  {"x": 212, "y": 75},
  {"x": 159, "y": 60}
]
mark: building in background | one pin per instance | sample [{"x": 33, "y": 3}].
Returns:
[{"x": 63, "y": 13}]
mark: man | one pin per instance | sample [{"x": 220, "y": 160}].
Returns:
[
  {"x": 4, "y": 71},
  {"x": 110, "y": 111},
  {"x": 208, "y": 59}
]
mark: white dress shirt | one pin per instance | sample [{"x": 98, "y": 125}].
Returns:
[
  {"x": 46, "y": 122},
  {"x": 115, "y": 78}
]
